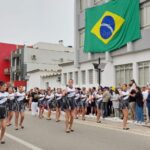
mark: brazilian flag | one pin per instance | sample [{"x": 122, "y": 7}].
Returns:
[{"x": 111, "y": 25}]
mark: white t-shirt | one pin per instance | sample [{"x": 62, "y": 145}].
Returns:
[{"x": 145, "y": 94}]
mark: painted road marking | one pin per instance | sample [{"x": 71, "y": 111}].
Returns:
[{"x": 26, "y": 144}]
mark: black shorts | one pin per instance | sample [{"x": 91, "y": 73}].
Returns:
[
  {"x": 59, "y": 103},
  {"x": 11, "y": 105},
  {"x": 3, "y": 111},
  {"x": 99, "y": 104},
  {"x": 83, "y": 103},
  {"x": 69, "y": 103},
  {"x": 93, "y": 104},
  {"x": 19, "y": 106},
  {"x": 51, "y": 104},
  {"x": 124, "y": 104}
]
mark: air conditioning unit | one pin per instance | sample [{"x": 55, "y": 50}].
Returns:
[
  {"x": 33, "y": 57},
  {"x": 59, "y": 79}
]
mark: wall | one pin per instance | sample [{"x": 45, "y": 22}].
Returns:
[
  {"x": 138, "y": 45},
  {"x": 5, "y": 51},
  {"x": 45, "y": 59},
  {"x": 53, "y": 82},
  {"x": 34, "y": 80}
]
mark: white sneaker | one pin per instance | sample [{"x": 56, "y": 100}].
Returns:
[
  {"x": 142, "y": 123},
  {"x": 136, "y": 122}
]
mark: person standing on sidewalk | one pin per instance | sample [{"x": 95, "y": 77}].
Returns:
[
  {"x": 99, "y": 100},
  {"x": 139, "y": 107},
  {"x": 145, "y": 96},
  {"x": 148, "y": 103},
  {"x": 106, "y": 98},
  {"x": 35, "y": 98},
  {"x": 132, "y": 101},
  {"x": 115, "y": 98}
]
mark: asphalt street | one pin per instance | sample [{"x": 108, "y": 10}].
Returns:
[{"x": 49, "y": 135}]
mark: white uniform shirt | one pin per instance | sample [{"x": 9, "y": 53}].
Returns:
[
  {"x": 99, "y": 97},
  {"x": 125, "y": 95},
  {"x": 11, "y": 96},
  {"x": 20, "y": 96},
  {"x": 41, "y": 97},
  {"x": 58, "y": 96},
  {"x": 49, "y": 97},
  {"x": 3, "y": 97},
  {"x": 70, "y": 92}
]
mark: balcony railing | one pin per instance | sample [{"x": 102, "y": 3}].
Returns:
[{"x": 7, "y": 71}]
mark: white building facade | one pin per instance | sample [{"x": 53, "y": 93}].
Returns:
[
  {"x": 38, "y": 65},
  {"x": 44, "y": 79},
  {"x": 130, "y": 62}
]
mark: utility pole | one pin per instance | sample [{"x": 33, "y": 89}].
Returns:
[{"x": 99, "y": 71}]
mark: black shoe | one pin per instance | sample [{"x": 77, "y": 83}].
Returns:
[
  {"x": 2, "y": 142},
  {"x": 9, "y": 125},
  {"x": 22, "y": 127},
  {"x": 67, "y": 131},
  {"x": 98, "y": 121},
  {"x": 126, "y": 128},
  {"x": 71, "y": 130}
]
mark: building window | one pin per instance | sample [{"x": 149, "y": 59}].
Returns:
[
  {"x": 82, "y": 33},
  {"x": 144, "y": 71},
  {"x": 83, "y": 76},
  {"x": 124, "y": 73},
  {"x": 90, "y": 76},
  {"x": 97, "y": 1},
  {"x": 47, "y": 85},
  {"x": 65, "y": 78},
  {"x": 70, "y": 75},
  {"x": 76, "y": 78},
  {"x": 145, "y": 13},
  {"x": 82, "y": 5}
]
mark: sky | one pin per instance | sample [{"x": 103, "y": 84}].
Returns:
[{"x": 31, "y": 21}]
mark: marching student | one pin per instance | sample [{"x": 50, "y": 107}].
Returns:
[
  {"x": 10, "y": 105},
  {"x": 99, "y": 99},
  {"x": 84, "y": 103},
  {"x": 69, "y": 106},
  {"x": 124, "y": 105},
  {"x": 77, "y": 102},
  {"x": 19, "y": 107},
  {"x": 3, "y": 111},
  {"x": 41, "y": 103},
  {"x": 49, "y": 98},
  {"x": 58, "y": 97}
]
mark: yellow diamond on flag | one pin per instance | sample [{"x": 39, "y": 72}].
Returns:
[{"x": 108, "y": 25}]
